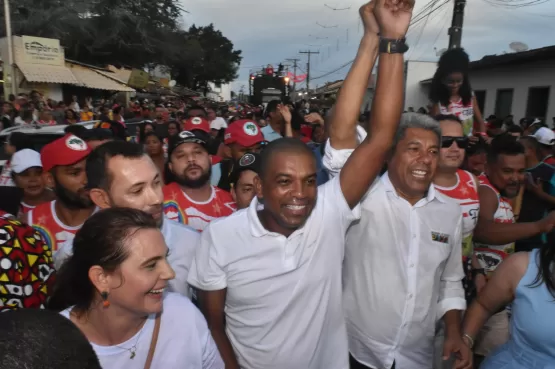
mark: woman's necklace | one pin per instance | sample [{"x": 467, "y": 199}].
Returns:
[{"x": 133, "y": 348}]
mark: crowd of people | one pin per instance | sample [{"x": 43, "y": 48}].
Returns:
[{"x": 306, "y": 240}]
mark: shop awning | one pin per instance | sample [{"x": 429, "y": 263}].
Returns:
[
  {"x": 47, "y": 73},
  {"x": 90, "y": 78}
]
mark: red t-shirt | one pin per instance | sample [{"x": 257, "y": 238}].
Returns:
[
  {"x": 179, "y": 207},
  {"x": 53, "y": 232}
]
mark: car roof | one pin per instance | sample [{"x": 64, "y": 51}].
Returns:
[{"x": 44, "y": 130}]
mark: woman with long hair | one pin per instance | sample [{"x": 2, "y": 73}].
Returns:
[
  {"x": 113, "y": 288},
  {"x": 71, "y": 117},
  {"x": 527, "y": 280},
  {"x": 451, "y": 94}
]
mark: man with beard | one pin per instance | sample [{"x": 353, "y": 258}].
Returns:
[
  {"x": 190, "y": 198},
  {"x": 496, "y": 232},
  {"x": 123, "y": 175},
  {"x": 63, "y": 163}
]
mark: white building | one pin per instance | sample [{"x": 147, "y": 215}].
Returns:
[
  {"x": 517, "y": 83},
  {"x": 416, "y": 93},
  {"x": 219, "y": 92}
]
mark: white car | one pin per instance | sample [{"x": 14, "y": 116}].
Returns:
[{"x": 40, "y": 135}]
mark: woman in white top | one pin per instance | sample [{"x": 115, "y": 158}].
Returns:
[
  {"x": 451, "y": 94},
  {"x": 113, "y": 290}
]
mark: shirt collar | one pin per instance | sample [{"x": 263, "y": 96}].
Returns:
[
  {"x": 257, "y": 229},
  {"x": 430, "y": 196}
]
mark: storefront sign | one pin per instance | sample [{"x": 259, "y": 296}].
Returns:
[
  {"x": 38, "y": 50},
  {"x": 138, "y": 79}
]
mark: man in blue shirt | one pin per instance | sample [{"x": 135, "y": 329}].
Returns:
[{"x": 275, "y": 122}]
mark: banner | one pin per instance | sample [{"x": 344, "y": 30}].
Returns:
[
  {"x": 38, "y": 50},
  {"x": 138, "y": 79}
]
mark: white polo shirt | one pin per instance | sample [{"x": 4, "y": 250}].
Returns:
[
  {"x": 182, "y": 241},
  {"x": 283, "y": 305},
  {"x": 402, "y": 272}
]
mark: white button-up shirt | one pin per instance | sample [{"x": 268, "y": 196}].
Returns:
[
  {"x": 283, "y": 304},
  {"x": 182, "y": 242},
  {"x": 402, "y": 273}
]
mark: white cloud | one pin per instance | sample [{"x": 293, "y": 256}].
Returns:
[{"x": 271, "y": 31}]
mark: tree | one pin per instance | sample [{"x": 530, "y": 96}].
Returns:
[
  {"x": 212, "y": 58},
  {"x": 125, "y": 32}
]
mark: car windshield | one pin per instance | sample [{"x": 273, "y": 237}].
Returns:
[{"x": 38, "y": 143}]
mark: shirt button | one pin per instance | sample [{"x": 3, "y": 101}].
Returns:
[
  {"x": 413, "y": 236},
  {"x": 410, "y": 296},
  {"x": 412, "y": 265}
]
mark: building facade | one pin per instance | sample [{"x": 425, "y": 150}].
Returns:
[{"x": 219, "y": 92}]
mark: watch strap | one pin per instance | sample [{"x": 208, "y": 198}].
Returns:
[{"x": 393, "y": 46}]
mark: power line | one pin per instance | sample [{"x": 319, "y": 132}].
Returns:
[{"x": 428, "y": 6}]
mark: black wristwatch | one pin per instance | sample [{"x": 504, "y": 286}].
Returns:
[
  {"x": 475, "y": 272},
  {"x": 392, "y": 46}
]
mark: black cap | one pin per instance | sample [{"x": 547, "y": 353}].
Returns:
[
  {"x": 184, "y": 137},
  {"x": 249, "y": 161}
]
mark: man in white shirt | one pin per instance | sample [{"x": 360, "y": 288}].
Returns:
[
  {"x": 402, "y": 268},
  {"x": 122, "y": 175},
  {"x": 269, "y": 277}
]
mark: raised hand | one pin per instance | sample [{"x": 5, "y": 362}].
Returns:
[
  {"x": 368, "y": 18},
  {"x": 393, "y": 17}
]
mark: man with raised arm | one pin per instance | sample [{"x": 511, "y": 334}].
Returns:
[
  {"x": 269, "y": 278},
  {"x": 402, "y": 267}
]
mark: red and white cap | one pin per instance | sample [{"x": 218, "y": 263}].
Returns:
[
  {"x": 67, "y": 150},
  {"x": 195, "y": 123},
  {"x": 243, "y": 132}
]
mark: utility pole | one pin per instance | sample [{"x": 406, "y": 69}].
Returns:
[
  {"x": 308, "y": 68},
  {"x": 11, "y": 74},
  {"x": 294, "y": 72},
  {"x": 455, "y": 32}
]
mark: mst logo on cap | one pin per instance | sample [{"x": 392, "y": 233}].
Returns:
[
  {"x": 247, "y": 160},
  {"x": 250, "y": 129},
  {"x": 196, "y": 121},
  {"x": 75, "y": 143}
]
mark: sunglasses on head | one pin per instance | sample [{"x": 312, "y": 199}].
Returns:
[{"x": 447, "y": 141}]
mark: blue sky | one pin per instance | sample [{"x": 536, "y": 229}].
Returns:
[{"x": 268, "y": 32}]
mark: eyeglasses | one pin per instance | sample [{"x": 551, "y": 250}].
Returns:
[{"x": 447, "y": 141}]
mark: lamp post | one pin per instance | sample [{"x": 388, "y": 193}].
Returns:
[{"x": 10, "y": 68}]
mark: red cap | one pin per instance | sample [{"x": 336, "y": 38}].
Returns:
[
  {"x": 67, "y": 150},
  {"x": 196, "y": 123},
  {"x": 244, "y": 132}
]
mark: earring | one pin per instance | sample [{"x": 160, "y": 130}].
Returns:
[{"x": 105, "y": 302}]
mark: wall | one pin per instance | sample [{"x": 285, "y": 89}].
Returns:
[
  {"x": 222, "y": 93},
  {"x": 48, "y": 90},
  {"x": 519, "y": 78},
  {"x": 416, "y": 94}
]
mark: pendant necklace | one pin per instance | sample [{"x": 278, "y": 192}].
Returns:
[{"x": 133, "y": 348}]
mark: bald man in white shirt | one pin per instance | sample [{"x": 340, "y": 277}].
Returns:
[{"x": 269, "y": 278}]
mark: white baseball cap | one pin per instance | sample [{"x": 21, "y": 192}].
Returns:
[
  {"x": 25, "y": 159},
  {"x": 218, "y": 123},
  {"x": 545, "y": 136}
]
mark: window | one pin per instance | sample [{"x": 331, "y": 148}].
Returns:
[
  {"x": 481, "y": 99},
  {"x": 504, "y": 102},
  {"x": 218, "y": 85},
  {"x": 538, "y": 98}
]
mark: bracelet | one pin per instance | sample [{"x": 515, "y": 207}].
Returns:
[{"x": 470, "y": 339}]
